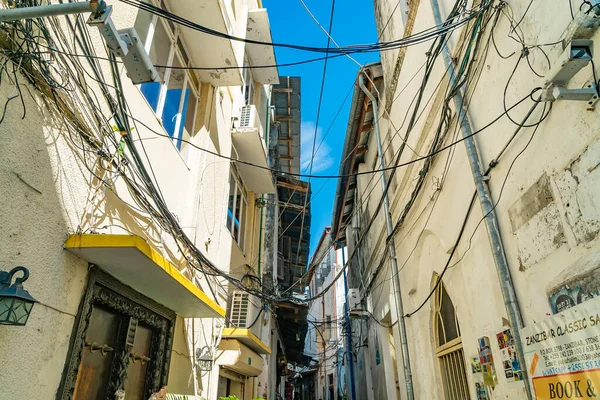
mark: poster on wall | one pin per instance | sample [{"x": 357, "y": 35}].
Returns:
[
  {"x": 569, "y": 296},
  {"x": 487, "y": 362},
  {"x": 562, "y": 353},
  {"x": 480, "y": 391},
  {"x": 508, "y": 354}
]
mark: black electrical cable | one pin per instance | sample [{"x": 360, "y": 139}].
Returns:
[
  {"x": 123, "y": 116},
  {"x": 373, "y": 47},
  {"x": 451, "y": 89},
  {"x": 314, "y": 144},
  {"x": 571, "y": 9},
  {"x": 447, "y": 266},
  {"x": 448, "y": 161},
  {"x": 418, "y": 159},
  {"x": 457, "y": 241}
]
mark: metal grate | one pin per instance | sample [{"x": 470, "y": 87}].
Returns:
[
  {"x": 454, "y": 376},
  {"x": 239, "y": 309}
]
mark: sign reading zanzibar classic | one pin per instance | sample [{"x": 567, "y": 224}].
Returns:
[{"x": 562, "y": 353}]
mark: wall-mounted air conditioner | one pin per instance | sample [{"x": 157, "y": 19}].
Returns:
[
  {"x": 249, "y": 118},
  {"x": 354, "y": 299}
]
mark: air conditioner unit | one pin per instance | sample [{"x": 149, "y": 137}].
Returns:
[
  {"x": 249, "y": 118},
  {"x": 354, "y": 299},
  {"x": 239, "y": 309}
]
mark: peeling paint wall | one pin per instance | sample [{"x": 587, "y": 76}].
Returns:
[{"x": 536, "y": 223}]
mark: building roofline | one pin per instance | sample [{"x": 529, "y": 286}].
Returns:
[{"x": 355, "y": 129}]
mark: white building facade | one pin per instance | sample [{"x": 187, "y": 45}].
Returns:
[
  {"x": 493, "y": 193},
  {"x": 143, "y": 240}
]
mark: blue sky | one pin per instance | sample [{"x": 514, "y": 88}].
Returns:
[{"x": 353, "y": 23}]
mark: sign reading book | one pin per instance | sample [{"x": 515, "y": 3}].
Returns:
[{"x": 562, "y": 353}]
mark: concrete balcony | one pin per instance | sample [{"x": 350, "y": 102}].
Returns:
[
  {"x": 134, "y": 262},
  {"x": 259, "y": 29},
  {"x": 207, "y": 50},
  {"x": 249, "y": 143}
]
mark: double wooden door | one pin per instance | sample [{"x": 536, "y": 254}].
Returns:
[{"x": 122, "y": 345}]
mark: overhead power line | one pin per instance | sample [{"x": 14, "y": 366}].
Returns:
[
  {"x": 375, "y": 171},
  {"x": 417, "y": 38}
]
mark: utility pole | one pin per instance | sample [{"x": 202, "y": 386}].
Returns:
[
  {"x": 350, "y": 354},
  {"x": 392, "y": 249}
]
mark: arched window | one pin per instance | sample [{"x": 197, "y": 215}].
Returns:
[{"x": 449, "y": 349}]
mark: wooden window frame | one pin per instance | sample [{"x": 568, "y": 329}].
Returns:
[{"x": 235, "y": 179}]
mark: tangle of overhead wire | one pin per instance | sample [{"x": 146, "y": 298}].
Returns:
[
  {"x": 374, "y": 47},
  {"x": 448, "y": 265}
]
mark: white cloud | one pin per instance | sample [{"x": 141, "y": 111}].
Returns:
[{"x": 323, "y": 158}]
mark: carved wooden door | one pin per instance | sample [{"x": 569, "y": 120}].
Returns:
[
  {"x": 122, "y": 343},
  {"x": 109, "y": 340}
]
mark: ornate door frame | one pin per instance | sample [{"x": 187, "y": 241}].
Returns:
[{"x": 104, "y": 290}]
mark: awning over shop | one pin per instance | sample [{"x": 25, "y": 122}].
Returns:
[
  {"x": 235, "y": 355},
  {"x": 259, "y": 30},
  {"x": 133, "y": 261},
  {"x": 248, "y": 338}
]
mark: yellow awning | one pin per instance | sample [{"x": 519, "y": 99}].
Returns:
[
  {"x": 133, "y": 261},
  {"x": 238, "y": 357},
  {"x": 248, "y": 338}
]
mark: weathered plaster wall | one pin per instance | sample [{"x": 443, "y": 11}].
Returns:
[{"x": 41, "y": 203}]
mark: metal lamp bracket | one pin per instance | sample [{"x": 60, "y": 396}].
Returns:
[
  {"x": 578, "y": 54},
  {"x": 123, "y": 43},
  {"x": 6, "y": 277}
]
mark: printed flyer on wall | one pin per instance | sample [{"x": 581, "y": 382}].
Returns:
[
  {"x": 510, "y": 362},
  {"x": 562, "y": 353}
]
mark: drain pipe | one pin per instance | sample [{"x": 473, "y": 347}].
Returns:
[
  {"x": 392, "y": 249},
  {"x": 483, "y": 192}
]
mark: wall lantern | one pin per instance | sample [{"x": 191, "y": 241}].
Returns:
[
  {"x": 204, "y": 360},
  {"x": 15, "y": 302}
]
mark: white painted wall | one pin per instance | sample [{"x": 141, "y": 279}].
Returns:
[{"x": 326, "y": 305}]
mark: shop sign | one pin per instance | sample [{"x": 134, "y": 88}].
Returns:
[{"x": 562, "y": 353}]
